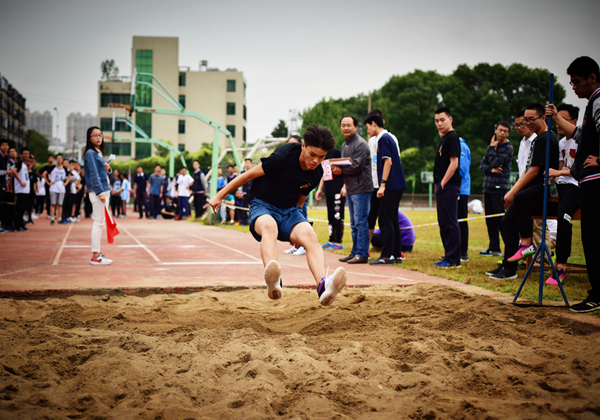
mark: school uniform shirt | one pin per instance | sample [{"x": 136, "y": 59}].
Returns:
[
  {"x": 387, "y": 149},
  {"x": 524, "y": 150},
  {"x": 140, "y": 181},
  {"x": 41, "y": 187},
  {"x": 23, "y": 173},
  {"x": 183, "y": 182},
  {"x": 74, "y": 178},
  {"x": 126, "y": 191},
  {"x": 285, "y": 180},
  {"x": 373, "y": 148},
  {"x": 567, "y": 150},
  {"x": 449, "y": 145},
  {"x": 58, "y": 176}
]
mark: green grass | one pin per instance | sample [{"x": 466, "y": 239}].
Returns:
[{"x": 428, "y": 248}]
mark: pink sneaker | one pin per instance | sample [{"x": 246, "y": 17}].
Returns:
[
  {"x": 562, "y": 275},
  {"x": 523, "y": 252}
]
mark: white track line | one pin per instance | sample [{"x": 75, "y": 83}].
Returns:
[
  {"x": 62, "y": 245},
  {"x": 18, "y": 271},
  {"x": 152, "y": 254},
  {"x": 212, "y": 263},
  {"x": 224, "y": 246},
  {"x": 118, "y": 246}
]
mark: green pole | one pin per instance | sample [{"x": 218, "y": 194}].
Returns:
[
  {"x": 215, "y": 163},
  {"x": 171, "y": 163},
  {"x": 430, "y": 191}
]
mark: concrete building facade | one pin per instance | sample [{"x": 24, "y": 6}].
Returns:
[
  {"x": 219, "y": 95},
  {"x": 40, "y": 122},
  {"x": 12, "y": 114},
  {"x": 77, "y": 126}
]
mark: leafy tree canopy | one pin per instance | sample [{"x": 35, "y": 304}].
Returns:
[
  {"x": 109, "y": 69},
  {"x": 280, "y": 130},
  {"x": 38, "y": 145}
]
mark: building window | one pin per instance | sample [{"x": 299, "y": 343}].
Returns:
[
  {"x": 244, "y": 134},
  {"x": 144, "y": 121},
  {"x": 181, "y": 78},
  {"x": 244, "y": 90},
  {"x": 181, "y": 147},
  {"x": 244, "y": 112},
  {"x": 143, "y": 63},
  {"x": 114, "y": 98},
  {"x": 231, "y": 129},
  {"x": 119, "y": 149},
  {"x": 106, "y": 125},
  {"x": 230, "y": 108},
  {"x": 182, "y": 100},
  {"x": 143, "y": 150},
  {"x": 181, "y": 126},
  {"x": 231, "y": 86}
]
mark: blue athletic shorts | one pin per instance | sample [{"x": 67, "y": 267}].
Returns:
[{"x": 286, "y": 219}]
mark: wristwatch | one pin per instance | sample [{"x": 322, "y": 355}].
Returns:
[{"x": 383, "y": 181}]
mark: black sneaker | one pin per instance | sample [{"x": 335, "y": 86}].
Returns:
[
  {"x": 522, "y": 266},
  {"x": 490, "y": 253},
  {"x": 586, "y": 306},
  {"x": 494, "y": 272},
  {"x": 464, "y": 258},
  {"x": 52, "y": 222},
  {"x": 504, "y": 274}
]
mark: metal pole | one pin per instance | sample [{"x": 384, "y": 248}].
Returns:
[
  {"x": 430, "y": 194},
  {"x": 171, "y": 163}
]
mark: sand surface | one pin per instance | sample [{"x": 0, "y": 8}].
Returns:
[{"x": 423, "y": 352}]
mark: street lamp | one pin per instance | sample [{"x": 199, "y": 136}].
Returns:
[{"x": 57, "y": 140}]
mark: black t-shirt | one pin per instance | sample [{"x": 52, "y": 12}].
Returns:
[
  {"x": 449, "y": 145},
  {"x": 48, "y": 170},
  {"x": 538, "y": 156},
  {"x": 285, "y": 180},
  {"x": 334, "y": 186}
]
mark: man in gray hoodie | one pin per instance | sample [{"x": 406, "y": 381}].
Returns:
[{"x": 358, "y": 184}]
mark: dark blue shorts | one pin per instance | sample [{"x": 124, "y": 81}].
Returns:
[{"x": 286, "y": 219}]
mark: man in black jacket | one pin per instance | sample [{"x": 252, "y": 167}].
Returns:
[{"x": 495, "y": 166}]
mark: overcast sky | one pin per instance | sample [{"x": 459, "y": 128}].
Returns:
[{"x": 292, "y": 54}]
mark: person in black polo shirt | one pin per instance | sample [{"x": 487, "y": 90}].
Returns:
[
  {"x": 585, "y": 79},
  {"x": 288, "y": 175},
  {"x": 446, "y": 176},
  {"x": 140, "y": 192}
]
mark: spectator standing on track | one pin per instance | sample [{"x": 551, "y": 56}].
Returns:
[
  {"x": 335, "y": 204},
  {"x": 58, "y": 179},
  {"x": 75, "y": 188},
  {"x": 155, "y": 183},
  {"x": 124, "y": 195},
  {"x": 446, "y": 175},
  {"x": 463, "y": 198},
  {"x": 585, "y": 79},
  {"x": 40, "y": 196},
  {"x": 199, "y": 188},
  {"x": 116, "y": 204},
  {"x": 22, "y": 187},
  {"x": 46, "y": 169},
  {"x": 31, "y": 172},
  {"x": 3, "y": 194},
  {"x": 358, "y": 187},
  {"x": 184, "y": 185},
  {"x": 390, "y": 177},
  {"x": 80, "y": 191},
  {"x": 165, "y": 185},
  {"x": 96, "y": 178},
  {"x": 140, "y": 193},
  {"x": 288, "y": 175},
  {"x": 495, "y": 166},
  {"x": 245, "y": 194}
]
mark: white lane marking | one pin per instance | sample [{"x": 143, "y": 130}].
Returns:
[
  {"x": 141, "y": 245},
  {"x": 224, "y": 246},
  {"x": 118, "y": 246},
  {"x": 18, "y": 271},
  {"x": 62, "y": 245},
  {"x": 212, "y": 263}
]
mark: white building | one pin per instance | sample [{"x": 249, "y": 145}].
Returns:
[
  {"x": 42, "y": 123},
  {"x": 77, "y": 126}
]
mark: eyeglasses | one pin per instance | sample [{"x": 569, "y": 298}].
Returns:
[
  {"x": 530, "y": 120},
  {"x": 575, "y": 82},
  {"x": 520, "y": 125},
  {"x": 96, "y": 135},
  {"x": 503, "y": 130}
]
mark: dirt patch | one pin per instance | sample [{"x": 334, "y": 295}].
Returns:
[{"x": 424, "y": 352}]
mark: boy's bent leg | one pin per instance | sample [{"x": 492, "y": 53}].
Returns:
[
  {"x": 266, "y": 227},
  {"x": 303, "y": 234}
]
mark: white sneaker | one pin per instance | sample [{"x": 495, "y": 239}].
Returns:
[
  {"x": 273, "y": 279},
  {"x": 291, "y": 250},
  {"x": 331, "y": 286},
  {"x": 34, "y": 216},
  {"x": 299, "y": 251},
  {"x": 100, "y": 260}
]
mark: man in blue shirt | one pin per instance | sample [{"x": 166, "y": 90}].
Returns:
[
  {"x": 391, "y": 185},
  {"x": 140, "y": 193},
  {"x": 155, "y": 183},
  {"x": 463, "y": 198}
]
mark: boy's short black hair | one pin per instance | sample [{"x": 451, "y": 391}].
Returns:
[
  {"x": 376, "y": 112},
  {"x": 572, "y": 110},
  {"x": 374, "y": 118},
  {"x": 443, "y": 110},
  {"x": 57, "y": 155},
  {"x": 319, "y": 137},
  {"x": 538, "y": 108},
  {"x": 24, "y": 149},
  {"x": 248, "y": 159},
  {"x": 2, "y": 141},
  {"x": 354, "y": 120},
  {"x": 296, "y": 137},
  {"x": 520, "y": 114},
  {"x": 503, "y": 124},
  {"x": 584, "y": 67}
]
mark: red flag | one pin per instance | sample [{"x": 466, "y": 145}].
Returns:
[{"x": 111, "y": 226}]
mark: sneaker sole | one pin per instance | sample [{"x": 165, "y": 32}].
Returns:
[
  {"x": 95, "y": 263},
  {"x": 337, "y": 284},
  {"x": 504, "y": 278},
  {"x": 272, "y": 276}
]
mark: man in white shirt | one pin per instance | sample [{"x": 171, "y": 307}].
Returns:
[
  {"x": 184, "y": 185},
  {"x": 525, "y": 146},
  {"x": 57, "y": 179},
  {"x": 22, "y": 187}
]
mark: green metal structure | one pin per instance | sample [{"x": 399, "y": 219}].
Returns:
[{"x": 180, "y": 111}]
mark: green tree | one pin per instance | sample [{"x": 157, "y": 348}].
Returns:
[
  {"x": 38, "y": 145},
  {"x": 280, "y": 130},
  {"x": 109, "y": 69},
  {"x": 163, "y": 151}
]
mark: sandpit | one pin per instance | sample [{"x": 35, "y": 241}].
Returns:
[{"x": 422, "y": 352}]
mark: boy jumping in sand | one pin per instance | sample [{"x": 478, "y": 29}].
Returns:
[{"x": 286, "y": 177}]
